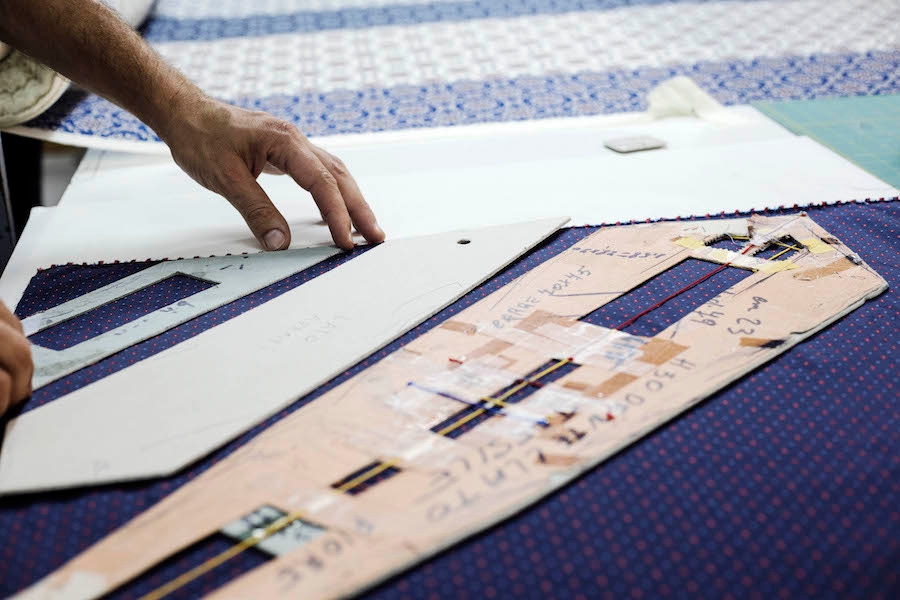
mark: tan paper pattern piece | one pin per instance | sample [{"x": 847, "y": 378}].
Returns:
[{"x": 379, "y": 462}]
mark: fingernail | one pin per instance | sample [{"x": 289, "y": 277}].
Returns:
[{"x": 273, "y": 240}]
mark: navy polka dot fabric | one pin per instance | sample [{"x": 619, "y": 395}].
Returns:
[
  {"x": 105, "y": 318},
  {"x": 785, "y": 484}
]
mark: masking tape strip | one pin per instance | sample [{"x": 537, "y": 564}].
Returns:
[
  {"x": 816, "y": 246},
  {"x": 776, "y": 266},
  {"x": 690, "y": 242}
]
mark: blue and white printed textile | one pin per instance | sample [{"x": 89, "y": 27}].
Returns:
[{"x": 344, "y": 66}]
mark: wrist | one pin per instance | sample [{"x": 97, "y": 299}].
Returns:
[{"x": 176, "y": 111}]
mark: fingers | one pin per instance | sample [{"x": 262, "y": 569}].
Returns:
[
  {"x": 241, "y": 189},
  {"x": 229, "y": 147},
  {"x": 292, "y": 155},
  {"x": 16, "y": 367},
  {"x": 323, "y": 175},
  {"x": 5, "y": 389},
  {"x": 15, "y": 361},
  {"x": 6, "y": 316},
  {"x": 360, "y": 214}
]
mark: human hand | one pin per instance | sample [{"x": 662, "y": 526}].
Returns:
[
  {"x": 16, "y": 367},
  {"x": 222, "y": 147},
  {"x": 225, "y": 149}
]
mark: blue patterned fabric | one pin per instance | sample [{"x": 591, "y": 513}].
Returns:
[
  {"x": 519, "y": 99},
  {"x": 167, "y": 29},
  {"x": 348, "y": 66},
  {"x": 784, "y": 484}
]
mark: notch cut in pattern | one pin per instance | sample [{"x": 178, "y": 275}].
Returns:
[
  {"x": 668, "y": 292},
  {"x": 733, "y": 243},
  {"x": 489, "y": 406},
  {"x": 121, "y": 311},
  {"x": 362, "y": 479},
  {"x": 781, "y": 248}
]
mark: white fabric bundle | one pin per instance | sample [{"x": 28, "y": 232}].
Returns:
[{"x": 28, "y": 88}]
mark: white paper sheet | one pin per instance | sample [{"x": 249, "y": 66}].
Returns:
[
  {"x": 135, "y": 423},
  {"x": 679, "y": 112},
  {"x": 125, "y": 207}
]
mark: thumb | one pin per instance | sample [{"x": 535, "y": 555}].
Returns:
[{"x": 264, "y": 220}]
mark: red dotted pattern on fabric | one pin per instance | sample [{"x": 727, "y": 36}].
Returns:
[
  {"x": 107, "y": 317},
  {"x": 785, "y": 484}
]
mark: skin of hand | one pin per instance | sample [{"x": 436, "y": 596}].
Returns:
[
  {"x": 222, "y": 147},
  {"x": 15, "y": 361},
  {"x": 225, "y": 149}
]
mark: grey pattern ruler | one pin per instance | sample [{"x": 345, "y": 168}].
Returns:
[{"x": 232, "y": 277}]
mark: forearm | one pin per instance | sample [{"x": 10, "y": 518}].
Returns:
[
  {"x": 88, "y": 43},
  {"x": 222, "y": 147}
]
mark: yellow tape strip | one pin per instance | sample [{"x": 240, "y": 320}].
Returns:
[
  {"x": 776, "y": 266},
  {"x": 816, "y": 246},
  {"x": 720, "y": 254},
  {"x": 690, "y": 242}
]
